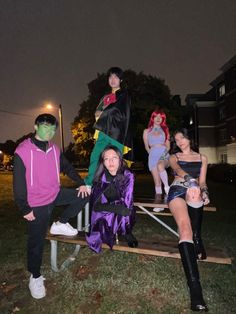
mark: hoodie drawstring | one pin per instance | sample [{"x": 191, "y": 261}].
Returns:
[
  {"x": 31, "y": 168},
  {"x": 55, "y": 156}
]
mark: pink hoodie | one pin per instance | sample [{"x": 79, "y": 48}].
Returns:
[{"x": 42, "y": 172}]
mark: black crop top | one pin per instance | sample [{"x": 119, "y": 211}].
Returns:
[{"x": 193, "y": 168}]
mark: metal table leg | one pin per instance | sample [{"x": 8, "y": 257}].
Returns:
[
  {"x": 158, "y": 220},
  {"x": 67, "y": 262}
]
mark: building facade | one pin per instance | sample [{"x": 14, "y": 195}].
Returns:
[{"x": 212, "y": 117}]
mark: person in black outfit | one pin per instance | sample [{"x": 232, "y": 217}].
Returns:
[{"x": 187, "y": 195}]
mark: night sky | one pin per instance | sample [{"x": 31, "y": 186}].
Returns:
[{"x": 51, "y": 49}]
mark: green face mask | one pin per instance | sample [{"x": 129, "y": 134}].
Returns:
[{"x": 46, "y": 131}]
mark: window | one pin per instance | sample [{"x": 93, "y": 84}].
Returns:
[
  {"x": 223, "y": 158},
  {"x": 222, "y": 90},
  {"x": 222, "y": 113},
  {"x": 223, "y": 135}
]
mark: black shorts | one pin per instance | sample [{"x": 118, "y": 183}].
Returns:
[{"x": 176, "y": 191}]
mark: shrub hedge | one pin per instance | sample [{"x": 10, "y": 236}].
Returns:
[{"x": 222, "y": 173}]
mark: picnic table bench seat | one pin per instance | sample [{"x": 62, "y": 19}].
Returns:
[{"x": 156, "y": 248}]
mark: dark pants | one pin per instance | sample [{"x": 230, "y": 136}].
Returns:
[{"x": 37, "y": 228}]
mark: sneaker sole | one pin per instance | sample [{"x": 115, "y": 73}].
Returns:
[
  {"x": 159, "y": 210},
  {"x": 35, "y": 296},
  {"x": 63, "y": 234},
  {"x": 38, "y": 297}
]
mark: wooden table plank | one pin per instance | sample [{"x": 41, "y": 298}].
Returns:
[
  {"x": 163, "y": 249},
  {"x": 150, "y": 202}
]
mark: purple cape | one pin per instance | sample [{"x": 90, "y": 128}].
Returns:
[{"x": 104, "y": 224}]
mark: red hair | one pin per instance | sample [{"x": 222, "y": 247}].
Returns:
[{"x": 163, "y": 124}]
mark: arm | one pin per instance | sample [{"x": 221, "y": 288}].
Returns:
[
  {"x": 99, "y": 109},
  {"x": 119, "y": 209},
  {"x": 167, "y": 144},
  {"x": 20, "y": 188},
  {"x": 145, "y": 140},
  {"x": 202, "y": 181},
  {"x": 69, "y": 170},
  {"x": 203, "y": 172},
  {"x": 191, "y": 183},
  {"x": 128, "y": 189},
  {"x": 176, "y": 168}
]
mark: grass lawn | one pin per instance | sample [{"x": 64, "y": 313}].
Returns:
[{"x": 117, "y": 282}]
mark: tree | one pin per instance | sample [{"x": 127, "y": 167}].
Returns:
[
  {"x": 82, "y": 133},
  {"x": 70, "y": 152},
  {"x": 147, "y": 93},
  {"x": 8, "y": 147}
]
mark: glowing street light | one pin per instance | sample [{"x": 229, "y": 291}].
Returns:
[{"x": 50, "y": 107}]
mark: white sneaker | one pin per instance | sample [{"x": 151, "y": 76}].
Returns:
[
  {"x": 37, "y": 288},
  {"x": 59, "y": 228},
  {"x": 158, "y": 209}
]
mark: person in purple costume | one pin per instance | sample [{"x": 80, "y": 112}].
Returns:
[{"x": 111, "y": 201}]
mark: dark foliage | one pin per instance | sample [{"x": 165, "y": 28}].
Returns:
[
  {"x": 222, "y": 173},
  {"x": 147, "y": 94}
]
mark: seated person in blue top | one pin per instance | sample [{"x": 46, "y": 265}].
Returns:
[
  {"x": 37, "y": 190},
  {"x": 111, "y": 201},
  {"x": 187, "y": 195}
]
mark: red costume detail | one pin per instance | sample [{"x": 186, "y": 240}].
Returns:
[{"x": 109, "y": 99}]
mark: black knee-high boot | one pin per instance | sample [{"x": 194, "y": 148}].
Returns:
[
  {"x": 196, "y": 215},
  {"x": 189, "y": 262}
]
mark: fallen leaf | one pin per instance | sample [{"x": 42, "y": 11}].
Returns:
[{"x": 8, "y": 288}]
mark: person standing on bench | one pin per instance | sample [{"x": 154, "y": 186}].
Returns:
[
  {"x": 111, "y": 201},
  {"x": 157, "y": 144},
  {"x": 112, "y": 126},
  {"x": 187, "y": 195},
  {"x": 36, "y": 183}
]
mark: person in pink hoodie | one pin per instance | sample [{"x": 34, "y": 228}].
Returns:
[{"x": 37, "y": 190}]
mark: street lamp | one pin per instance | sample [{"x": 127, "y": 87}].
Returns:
[
  {"x": 50, "y": 107},
  {"x": 61, "y": 128}
]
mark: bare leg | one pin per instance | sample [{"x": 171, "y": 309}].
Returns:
[
  {"x": 156, "y": 177},
  {"x": 179, "y": 210}
]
